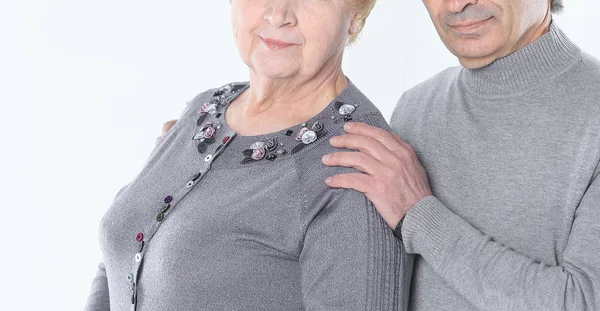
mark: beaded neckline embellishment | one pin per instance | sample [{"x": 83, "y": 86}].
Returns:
[{"x": 269, "y": 148}]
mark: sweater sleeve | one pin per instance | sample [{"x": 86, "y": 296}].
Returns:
[
  {"x": 350, "y": 260},
  {"x": 98, "y": 299},
  {"x": 494, "y": 277}
]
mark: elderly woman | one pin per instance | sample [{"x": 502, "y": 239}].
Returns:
[{"x": 231, "y": 211}]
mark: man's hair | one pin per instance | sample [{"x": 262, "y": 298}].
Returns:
[{"x": 556, "y": 6}]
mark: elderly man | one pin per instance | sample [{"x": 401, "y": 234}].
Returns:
[{"x": 510, "y": 142}]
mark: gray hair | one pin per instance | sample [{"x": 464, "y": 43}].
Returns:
[{"x": 556, "y": 6}]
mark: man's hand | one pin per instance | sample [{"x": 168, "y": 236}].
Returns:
[
  {"x": 165, "y": 128},
  {"x": 392, "y": 177}
]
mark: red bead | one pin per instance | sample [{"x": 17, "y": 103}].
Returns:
[
  {"x": 139, "y": 237},
  {"x": 225, "y": 139}
]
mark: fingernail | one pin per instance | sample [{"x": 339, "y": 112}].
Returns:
[
  {"x": 325, "y": 158},
  {"x": 328, "y": 180},
  {"x": 333, "y": 140}
]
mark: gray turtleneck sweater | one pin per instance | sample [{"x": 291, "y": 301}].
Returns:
[
  {"x": 218, "y": 221},
  {"x": 512, "y": 152}
]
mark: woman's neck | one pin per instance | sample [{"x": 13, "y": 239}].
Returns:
[{"x": 273, "y": 105}]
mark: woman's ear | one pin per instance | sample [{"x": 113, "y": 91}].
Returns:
[{"x": 355, "y": 24}]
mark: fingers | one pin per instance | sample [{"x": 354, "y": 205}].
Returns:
[
  {"x": 382, "y": 136},
  {"x": 357, "y": 181},
  {"x": 365, "y": 144},
  {"x": 357, "y": 160},
  {"x": 167, "y": 126}
]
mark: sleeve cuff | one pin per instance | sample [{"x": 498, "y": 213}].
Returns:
[{"x": 428, "y": 227}]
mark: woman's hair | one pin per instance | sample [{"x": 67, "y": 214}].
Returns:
[{"x": 363, "y": 8}]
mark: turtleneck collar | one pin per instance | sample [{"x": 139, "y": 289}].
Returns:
[{"x": 536, "y": 63}]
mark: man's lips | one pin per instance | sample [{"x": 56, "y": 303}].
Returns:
[
  {"x": 469, "y": 26},
  {"x": 276, "y": 44}
]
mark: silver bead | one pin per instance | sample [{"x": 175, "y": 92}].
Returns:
[
  {"x": 309, "y": 137},
  {"x": 257, "y": 145},
  {"x": 346, "y": 109}
]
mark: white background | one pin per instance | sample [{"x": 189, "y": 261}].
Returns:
[{"x": 86, "y": 85}]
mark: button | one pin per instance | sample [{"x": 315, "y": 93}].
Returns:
[
  {"x": 160, "y": 216},
  {"x": 190, "y": 184},
  {"x": 129, "y": 277},
  {"x": 139, "y": 237},
  {"x": 208, "y": 158},
  {"x": 138, "y": 257},
  {"x": 168, "y": 199}
]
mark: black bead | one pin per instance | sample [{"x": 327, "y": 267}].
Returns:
[
  {"x": 248, "y": 153},
  {"x": 247, "y": 160},
  {"x": 347, "y": 118},
  {"x": 289, "y": 133},
  {"x": 271, "y": 157},
  {"x": 338, "y": 105},
  {"x": 218, "y": 93},
  {"x": 202, "y": 147},
  {"x": 218, "y": 115},
  {"x": 201, "y": 119},
  {"x": 298, "y": 148}
]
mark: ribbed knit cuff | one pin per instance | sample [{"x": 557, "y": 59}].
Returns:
[{"x": 428, "y": 228}]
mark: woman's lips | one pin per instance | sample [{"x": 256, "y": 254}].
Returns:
[{"x": 276, "y": 44}]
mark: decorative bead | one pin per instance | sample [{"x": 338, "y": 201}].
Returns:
[
  {"x": 200, "y": 119},
  {"x": 308, "y": 137},
  {"x": 248, "y": 153},
  {"x": 168, "y": 199},
  {"x": 141, "y": 247},
  {"x": 257, "y": 145},
  {"x": 289, "y": 133},
  {"x": 271, "y": 144},
  {"x": 317, "y": 127},
  {"x": 347, "y": 118},
  {"x": 301, "y": 133},
  {"x": 209, "y": 132},
  {"x": 199, "y": 136},
  {"x": 346, "y": 109},
  {"x": 271, "y": 157},
  {"x": 207, "y": 107},
  {"x": 202, "y": 146},
  {"x": 258, "y": 154},
  {"x": 139, "y": 237},
  {"x": 160, "y": 217},
  {"x": 225, "y": 139},
  {"x": 138, "y": 257}
]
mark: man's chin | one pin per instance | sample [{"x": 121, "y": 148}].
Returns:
[{"x": 475, "y": 63}]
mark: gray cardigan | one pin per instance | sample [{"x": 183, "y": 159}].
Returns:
[{"x": 216, "y": 221}]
